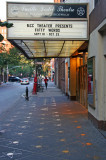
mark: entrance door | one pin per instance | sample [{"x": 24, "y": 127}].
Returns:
[
  {"x": 82, "y": 85},
  {"x": 66, "y": 78}
]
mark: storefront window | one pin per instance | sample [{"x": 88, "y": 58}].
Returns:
[
  {"x": 91, "y": 82},
  {"x": 68, "y": 72}
]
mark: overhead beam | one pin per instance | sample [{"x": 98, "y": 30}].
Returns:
[
  {"x": 61, "y": 49},
  {"x": 45, "y": 49}
]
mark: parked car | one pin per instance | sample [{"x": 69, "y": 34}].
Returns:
[
  {"x": 14, "y": 79},
  {"x": 24, "y": 81}
]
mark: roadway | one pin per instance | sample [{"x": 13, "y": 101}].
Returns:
[{"x": 10, "y": 94}]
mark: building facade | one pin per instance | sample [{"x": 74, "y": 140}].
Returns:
[
  {"x": 60, "y": 73},
  {"x": 82, "y": 76},
  {"x": 59, "y": 1},
  {"x": 97, "y": 59},
  {"x": 85, "y": 75},
  {"x": 5, "y": 43}
]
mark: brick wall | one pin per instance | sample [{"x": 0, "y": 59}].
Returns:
[{"x": 61, "y": 73}]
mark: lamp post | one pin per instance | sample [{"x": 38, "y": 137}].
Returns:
[
  {"x": 7, "y": 72},
  {"x": 3, "y": 75}
]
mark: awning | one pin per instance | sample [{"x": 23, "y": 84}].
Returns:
[{"x": 37, "y": 49}]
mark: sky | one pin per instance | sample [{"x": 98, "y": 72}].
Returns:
[{"x": 3, "y": 5}]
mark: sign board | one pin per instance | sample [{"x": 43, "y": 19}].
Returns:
[
  {"x": 36, "y": 10},
  {"x": 47, "y": 30}
]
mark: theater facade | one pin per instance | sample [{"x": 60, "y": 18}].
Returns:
[{"x": 62, "y": 30}]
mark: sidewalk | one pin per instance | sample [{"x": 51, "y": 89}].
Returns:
[{"x": 49, "y": 127}]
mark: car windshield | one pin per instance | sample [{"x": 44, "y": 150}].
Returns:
[{"x": 25, "y": 79}]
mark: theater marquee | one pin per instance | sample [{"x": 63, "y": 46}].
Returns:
[{"x": 47, "y": 30}]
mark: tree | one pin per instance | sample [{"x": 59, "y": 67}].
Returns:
[
  {"x": 46, "y": 66},
  {"x": 23, "y": 67},
  {"x": 3, "y": 59},
  {"x": 8, "y": 59},
  {"x": 5, "y": 24},
  {"x": 13, "y": 57}
]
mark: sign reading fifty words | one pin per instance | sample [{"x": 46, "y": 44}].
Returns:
[{"x": 48, "y": 30}]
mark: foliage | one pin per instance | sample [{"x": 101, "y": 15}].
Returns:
[
  {"x": 25, "y": 68},
  {"x": 6, "y": 24},
  {"x": 46, "y": 66},
  {"x": 1, "y": 38},
  {"x": 3, "y": 59},
  {"x": 42, "y": 69},
  {"x": 20, "y": 66},
  {"x": 22, "y": 71},
  {"x": 11, "y": 58},
  {"x": 24, "y": 60},
  {"x": 17, "y": 63}
]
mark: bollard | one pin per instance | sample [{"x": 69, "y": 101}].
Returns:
[{"x": 27, "y": 98}]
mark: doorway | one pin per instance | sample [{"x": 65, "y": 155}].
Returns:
[
  {"x": 66, "y": 78},
  {"x": 82, "y": 85}
]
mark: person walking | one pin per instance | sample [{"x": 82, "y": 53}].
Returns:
[
  {"x": 46, "y": 80},
  {"x": 35, "y": 85}
]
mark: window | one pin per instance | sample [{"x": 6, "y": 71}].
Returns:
[
  {"x": 62, "y": 0},
  {"x": 91, "y": 81}
]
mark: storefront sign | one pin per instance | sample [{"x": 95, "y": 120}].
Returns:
[
  {"x": 26, "y": 10},
  {"x": 48, "y": 30}
]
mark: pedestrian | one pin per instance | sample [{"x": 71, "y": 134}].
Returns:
[
  {"x": 46, "y": 80},
  {"x": 35, "y": 85}
]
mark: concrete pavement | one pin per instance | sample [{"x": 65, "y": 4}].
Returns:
[{"x": 49, "y": 127}]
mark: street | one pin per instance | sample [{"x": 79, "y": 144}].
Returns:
[
  {"x": 10, "y": 94},
  {"x": 48, "y": 127}
]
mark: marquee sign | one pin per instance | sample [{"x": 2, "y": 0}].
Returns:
[
  {"x": 36, "y": 10},
  {"x": 48, "y": 30}
]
